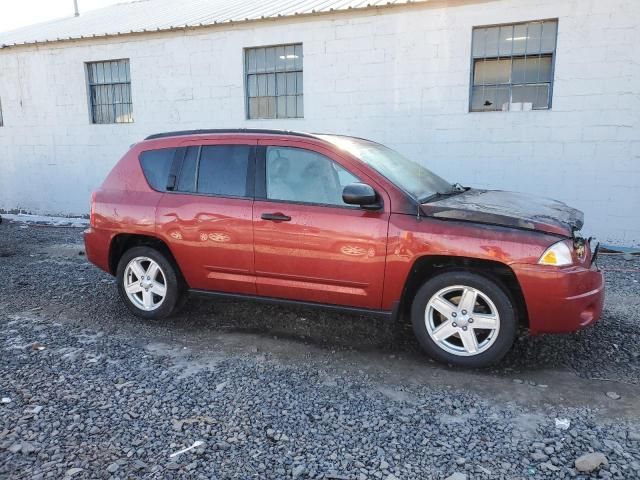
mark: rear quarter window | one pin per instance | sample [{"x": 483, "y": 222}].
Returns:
[{"x": 156, "y": 165}]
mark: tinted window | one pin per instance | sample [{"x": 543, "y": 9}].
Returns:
[
  {"x": 156, "y": 165},
  {"x": 299, "y": 175},
  {"x": 223, "y": 170},
  {"x": 187, "y": 175}
]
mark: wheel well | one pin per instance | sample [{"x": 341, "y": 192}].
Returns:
[
  {"x": 430, "y": 265},
  {"x": 123, "y": 242}
]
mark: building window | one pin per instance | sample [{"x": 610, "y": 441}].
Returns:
[
  {"x": 110, "y": 91},
  {"x": 513, "y": 66},
  {"x": 274, "y": 81}
]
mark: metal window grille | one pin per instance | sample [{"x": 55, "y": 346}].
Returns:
[
  {"x": 274, "y": 85},
  {"x": 512, "y": 66},
  {"x": 110, "y": 91}
]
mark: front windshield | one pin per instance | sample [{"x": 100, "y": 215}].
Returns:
[{"x": 410, "y": 176}]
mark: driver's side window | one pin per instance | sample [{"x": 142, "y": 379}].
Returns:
[{"x": 299, "y": 175}]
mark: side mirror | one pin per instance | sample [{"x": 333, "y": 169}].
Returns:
[{"x": 362, "y": 195}]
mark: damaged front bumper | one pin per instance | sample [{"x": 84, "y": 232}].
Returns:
[{"x": 561, "y": 299}]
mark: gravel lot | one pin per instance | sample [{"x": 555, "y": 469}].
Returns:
[{"x": 91, "y": 392}]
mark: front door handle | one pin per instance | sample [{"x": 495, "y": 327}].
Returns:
[{"x": 276, "y": 217}]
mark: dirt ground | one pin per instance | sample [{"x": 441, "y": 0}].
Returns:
[
  {"x": 46, "y": 277},
  {"x": 578, "y": 369}
]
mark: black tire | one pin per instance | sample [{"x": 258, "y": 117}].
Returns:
[
  {"x": 175, "y": 294},
  {"x": 489, "y": 287}
]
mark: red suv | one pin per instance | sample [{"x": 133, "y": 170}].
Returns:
[{"x": 344, "y": 223}]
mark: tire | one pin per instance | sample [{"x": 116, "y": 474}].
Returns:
[
  {"x": 166, "y": 275},
  {"x": 453, "y": 343}
]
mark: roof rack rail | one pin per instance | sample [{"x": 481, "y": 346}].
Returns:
[{"x": 180, "y": 133}]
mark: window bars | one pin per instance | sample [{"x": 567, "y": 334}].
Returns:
[
  {"x": 110, "y": 91},
  {"x": 274, "y": 85},
  {"x": 512, "y": 66}
]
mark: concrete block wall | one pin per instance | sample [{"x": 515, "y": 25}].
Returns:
[{"x": 399, "y": 75}]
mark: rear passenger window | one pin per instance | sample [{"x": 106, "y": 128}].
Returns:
[
  {"x": 156, "y": 165},
  {"x": 223, "y": 170}
]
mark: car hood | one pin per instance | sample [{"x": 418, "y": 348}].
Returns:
[{"x": 510, "y": 209}]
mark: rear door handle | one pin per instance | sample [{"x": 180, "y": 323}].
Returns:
[{"x": 276, "y": 217}]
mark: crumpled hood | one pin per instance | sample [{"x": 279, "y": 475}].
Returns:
[{"x": 510, "y": 209}]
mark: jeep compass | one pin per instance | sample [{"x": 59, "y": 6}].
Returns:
[{"x": 344, "y": 223}]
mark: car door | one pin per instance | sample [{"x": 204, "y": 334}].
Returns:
[
  {"x": 206, "y": 215},
  {"x": 309, "y": 244}
]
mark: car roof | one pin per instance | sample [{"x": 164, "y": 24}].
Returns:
[
  {"x": 223, "y": 131},
  {"x": 253, "y": 131}
]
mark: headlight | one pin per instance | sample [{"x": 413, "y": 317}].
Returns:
[{"x": 558, "y": 254}]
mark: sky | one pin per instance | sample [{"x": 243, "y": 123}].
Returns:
[{"x": 19, "y": 13}]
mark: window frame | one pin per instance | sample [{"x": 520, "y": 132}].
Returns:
[
  {"x": 261, "y": 178},
  {"x": 275, "y": 72},
  {"x": 511, "y": 58},
  {"x": 89, "y": 84},
  {"x": 178, "y": 163}
]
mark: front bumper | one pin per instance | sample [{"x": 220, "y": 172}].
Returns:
[{"x": 561, "y": 299}]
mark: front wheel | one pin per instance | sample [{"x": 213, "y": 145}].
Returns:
[
  {"x": 148, "y": 283},
  {"x": 464, "y": 319}
]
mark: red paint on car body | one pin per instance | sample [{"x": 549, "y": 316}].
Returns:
[{"x": 348, "y": 257}]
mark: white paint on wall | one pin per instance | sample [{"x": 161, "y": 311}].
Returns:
[{"x": 399, "y": 76}]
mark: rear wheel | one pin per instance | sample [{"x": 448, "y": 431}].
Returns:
[
  {"x": 464, "y": 319},
  {"x": 148, "y": 283}
]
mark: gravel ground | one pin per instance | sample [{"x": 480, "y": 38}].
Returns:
[{"x": 91, "y": 392}]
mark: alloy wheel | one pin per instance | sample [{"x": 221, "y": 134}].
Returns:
[
  {"x": 462, "y": 320},
  {"x": 145, "y": 283}
]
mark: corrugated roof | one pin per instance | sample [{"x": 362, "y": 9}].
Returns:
[{"x": 160, "y": 15}]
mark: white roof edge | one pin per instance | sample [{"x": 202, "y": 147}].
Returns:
[{"x": 133, "y": 18}]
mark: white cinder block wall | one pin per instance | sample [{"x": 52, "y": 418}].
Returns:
[{"x": 399, "y": 76}]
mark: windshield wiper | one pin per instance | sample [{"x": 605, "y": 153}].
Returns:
[
  {"x": 457, "y": 189},
  {"x": 434, "y": 196}
]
